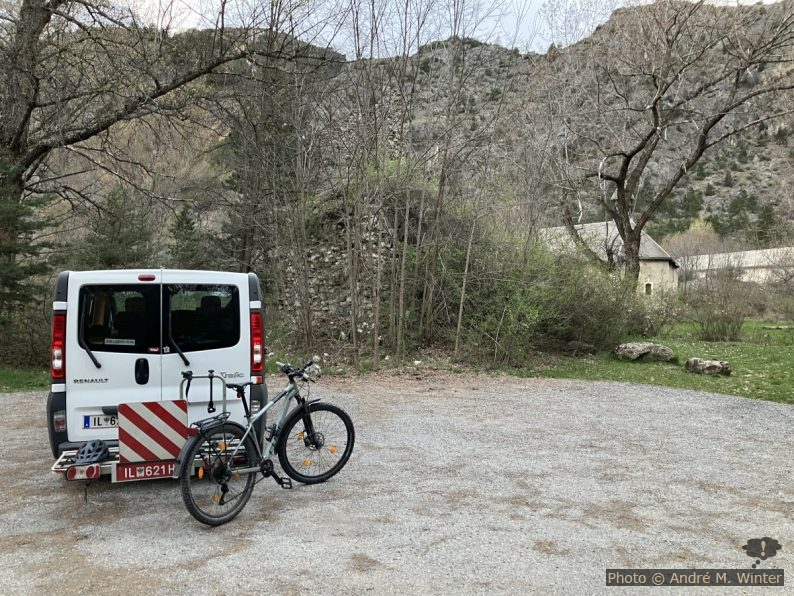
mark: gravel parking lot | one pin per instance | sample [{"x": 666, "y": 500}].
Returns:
[{"x": 458, "y": 483}]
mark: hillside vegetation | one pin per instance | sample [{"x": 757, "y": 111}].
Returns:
[{"x": 390, "y": 204}]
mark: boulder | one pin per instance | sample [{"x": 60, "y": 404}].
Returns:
[
  {"x": 708, "y": 367},
  {"x": 645, "y": 351}
]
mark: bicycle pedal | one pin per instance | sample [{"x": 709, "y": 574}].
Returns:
[{"x": 282, "y": 482}]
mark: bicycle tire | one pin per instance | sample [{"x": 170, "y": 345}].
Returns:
[
  {"x": 203, "y": 486},
  {"x": 300, "y": 458}
]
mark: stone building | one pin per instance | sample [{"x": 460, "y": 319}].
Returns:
[
  {"x": 658, "y": 270},
  {"x": 768, "y": 266}
]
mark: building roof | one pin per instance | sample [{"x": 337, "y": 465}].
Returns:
[
  {"x": 748, "y": 259},
  {"x": 601, "y": 236}
]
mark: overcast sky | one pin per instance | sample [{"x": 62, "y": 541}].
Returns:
[{"x": 511, "y": 23}]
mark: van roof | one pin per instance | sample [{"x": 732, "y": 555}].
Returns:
[
  {"x": 155, "y": 270},
  {"x": 109, "y": 276}
]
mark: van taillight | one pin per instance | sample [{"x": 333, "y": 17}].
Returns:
[
  {"x": 58, "y": 351},
  {"x": 257, "y": 343},
  {"x": 88, "y": 472},
  {"x": 59, "y": 421}
]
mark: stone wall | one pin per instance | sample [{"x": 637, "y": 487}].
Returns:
[
  {"x": 329, "y": 288},
  {"x": 660, "y": 274}
]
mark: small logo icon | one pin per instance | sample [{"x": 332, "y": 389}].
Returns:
[{"x": 762, "y": 548}]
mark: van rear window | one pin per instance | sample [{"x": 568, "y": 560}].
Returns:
[
  {"x": 120, "y": 318},
  {"x": 202, "y": 316},
  {"x": 129, "y": 318}
]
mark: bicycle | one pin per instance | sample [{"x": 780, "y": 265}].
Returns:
[{"x": 217, "y": 467}]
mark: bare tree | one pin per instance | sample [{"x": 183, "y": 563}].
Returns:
[
  {"x": 69, "y": 71},
  {"x": 667, "y": 82},
  {"x": 462, "y": 58}
]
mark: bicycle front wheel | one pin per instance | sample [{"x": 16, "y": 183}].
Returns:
[
  {"x": 213, "y": 489},
  {"x": 314, "y": 446}
]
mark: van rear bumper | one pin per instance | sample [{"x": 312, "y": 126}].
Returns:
[{"x": 67, "y": 446}]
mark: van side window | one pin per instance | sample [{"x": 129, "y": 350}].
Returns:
[
  {"x": 203, "y": 317},
  {"x": 120, "y": 318}
]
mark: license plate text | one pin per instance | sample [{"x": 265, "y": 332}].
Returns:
[
  {"x": 144, "y": 471},
  {"x": 100, "y": 421}
]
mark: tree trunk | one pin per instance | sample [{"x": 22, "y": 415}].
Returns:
[
  {"x": 353, "y": 253},
  {"x": 463, "y": 288},
  {"x": 431, "y": 265},
  {"x": 631, "y": 253},
  {"x": 19, "y": 82},
  {"x": 393, "y": 282},
  {"x": 376, "y": 297},
  {"x": 401, "y": 307},
  {"x": 11, "y": 213},
  {"x": 417, "y": 248},
  {"x": 304, "y": 288}
]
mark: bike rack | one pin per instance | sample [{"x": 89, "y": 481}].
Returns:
[
  {"x": 66, "y": 460},
  {"x": 183, "y": 393}
]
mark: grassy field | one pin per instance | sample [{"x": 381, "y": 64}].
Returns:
[
  {"x": 20, "y": 379},
  {"x": 763, "y": 363}
]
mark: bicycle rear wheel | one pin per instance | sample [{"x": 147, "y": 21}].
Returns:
[
  {"x": 213, "y": 491},
  {"x": 313, "y": 450}
]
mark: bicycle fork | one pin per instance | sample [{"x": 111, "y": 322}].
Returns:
[{"x": 311, "y": 439}]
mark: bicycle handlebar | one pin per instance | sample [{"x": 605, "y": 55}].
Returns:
[{"x": 294, "y": 373}]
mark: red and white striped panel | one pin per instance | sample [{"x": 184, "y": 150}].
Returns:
[{"x": 152, "y": 430}]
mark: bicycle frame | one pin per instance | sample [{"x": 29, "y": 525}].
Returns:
[
  {"x": 264, "y": 451},
  {"x": 312, "y": 442}
]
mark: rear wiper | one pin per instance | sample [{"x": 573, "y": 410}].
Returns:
[
  {"x": 173, "y": 342},
  {"x": 82, "y": 342}
]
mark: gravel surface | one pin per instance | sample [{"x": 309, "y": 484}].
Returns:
[{"x": 458, "y": 483}]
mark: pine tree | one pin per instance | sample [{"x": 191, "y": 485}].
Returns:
[
  {"x": 186, "y": 250},
  {"x": 119, "y": 235},
  {"x": 766, "y": 225}
]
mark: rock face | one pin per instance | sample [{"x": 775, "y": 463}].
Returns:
[
  {"x": 708, "y": 367},
  {"x": 645, "y": 351},
  {"x": 327, "y": 288}
]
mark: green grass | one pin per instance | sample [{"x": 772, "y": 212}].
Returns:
[
  {"x": 762, "y": 363},
  {"x": 21, "y": 379}
]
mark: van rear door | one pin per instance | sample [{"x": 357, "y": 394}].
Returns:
[
  {"x": 205, "y": 317},
  {"x": 113, "y": 348}
]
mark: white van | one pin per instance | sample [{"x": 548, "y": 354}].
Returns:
[{"x": 127, "y": 336}]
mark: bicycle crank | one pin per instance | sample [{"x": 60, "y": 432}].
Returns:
[{"x": 266, "y": 467}]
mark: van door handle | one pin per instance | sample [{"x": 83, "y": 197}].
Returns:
[{"x": 141, "y": 371}]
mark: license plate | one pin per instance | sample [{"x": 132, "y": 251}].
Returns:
[
  {"x": 144, "y": 471},
  {"x": 100, "y": 421}
]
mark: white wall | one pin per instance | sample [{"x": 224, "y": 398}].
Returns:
[{"x": 660, "y": 274}]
